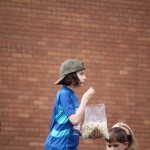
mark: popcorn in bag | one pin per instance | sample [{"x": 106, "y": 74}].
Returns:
[{"x": 95, "y": 118}]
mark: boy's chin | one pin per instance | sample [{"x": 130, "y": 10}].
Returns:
[{"x": 80, "y": 85}]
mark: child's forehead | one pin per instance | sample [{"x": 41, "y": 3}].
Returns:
[{"x": 113, "y": 143}]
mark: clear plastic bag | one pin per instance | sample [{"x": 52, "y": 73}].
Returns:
[{"x": 95, "y": 118}]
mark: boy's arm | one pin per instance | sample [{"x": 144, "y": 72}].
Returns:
[{"x": 76, "y": 118}]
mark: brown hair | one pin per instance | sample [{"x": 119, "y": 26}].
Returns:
[
  {"x": 70, "y": 78},
  {"x": 117, "y": 134}
]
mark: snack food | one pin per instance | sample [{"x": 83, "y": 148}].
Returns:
[
  {"x": 95, "y": 118},
  {"x": 88, "y": 128}
]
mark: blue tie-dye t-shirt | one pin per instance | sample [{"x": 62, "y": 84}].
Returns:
[{"x": 63, "y": 134}]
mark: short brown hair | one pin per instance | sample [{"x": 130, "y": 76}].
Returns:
[
  {"x": 70, "y": 78},
  {"x": 117, "y": 134}
]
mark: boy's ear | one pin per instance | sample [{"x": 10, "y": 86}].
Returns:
[{"x": 126, "y": 144}]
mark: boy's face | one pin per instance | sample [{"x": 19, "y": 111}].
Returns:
[
  {"x": 117, "y": 146},
  {"x": 82, "y": 77}
]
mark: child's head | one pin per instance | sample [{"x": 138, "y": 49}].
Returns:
[
  {"x": 132, "y": 140},
  {"x": 117, "y": 139},
  {"x": 68, "y": 72}
]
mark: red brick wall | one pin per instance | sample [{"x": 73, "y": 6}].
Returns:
[{"x": 112, "y": 38}]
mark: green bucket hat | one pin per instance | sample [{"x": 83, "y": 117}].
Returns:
[{"x": 69, "y": 66}]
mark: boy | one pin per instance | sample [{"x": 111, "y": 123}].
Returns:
[
  {"x": 67, "y": 114},
  {"x": 118, "y": 139}
]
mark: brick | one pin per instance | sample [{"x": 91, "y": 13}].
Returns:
[
  {"x": 44, "y": 107},
  {"x": 25, "y": 1},
  {"x": 123, "y": 72},
  {"x": 41, "y": 43},
  {"x": 36, "y": 144},
  {"x": 33, "y": 79},
  {"x": 142, "y": 65},
  {"x": 7, "y": 73},
  {"x": 12, "y": 69},
  {"x": 95, "y": 25},
  {"x": 132, "y": 29},
  {"x": 27, "y": 10},
  {"x": 16, "y": 55},
  {"x": 8, "y": 128},
  {"x": 23, "y": 97},
  {"x": 23, "y": 115},
  {"x": 31, "y": 15},
  {"x": 85, "y": 25},
  {"x": 38, "y": 102}
]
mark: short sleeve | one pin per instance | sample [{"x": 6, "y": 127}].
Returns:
[{"x": 67, "y": 103}]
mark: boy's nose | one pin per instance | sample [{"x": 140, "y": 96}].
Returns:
[{"x": 111, "y": 148}]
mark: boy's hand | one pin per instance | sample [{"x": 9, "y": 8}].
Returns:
[
  {"x": 87, "y": 95},
  {"x": 96, "y": 134}
]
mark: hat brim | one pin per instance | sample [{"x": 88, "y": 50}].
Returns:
[{"x": 58, "y": 81}]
